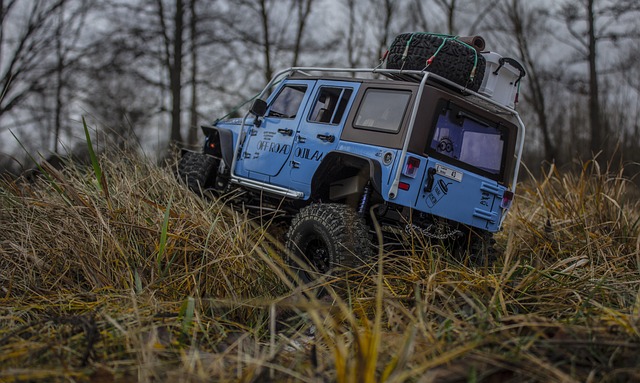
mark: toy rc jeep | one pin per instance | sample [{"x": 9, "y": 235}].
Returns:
[{"x": 429, "y": 143}]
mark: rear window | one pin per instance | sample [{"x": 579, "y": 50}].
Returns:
[
  {"x": 470, "y": 140},
  {"x": 382, "y": 109}
]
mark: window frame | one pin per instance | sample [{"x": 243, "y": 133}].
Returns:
[
  {"x": 346, "y": 93},
  {"x": 275, "y": 98},
  {"x": 409, "y": 95},
  {"x": 444, "y": 108}
]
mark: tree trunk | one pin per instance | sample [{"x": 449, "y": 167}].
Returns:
[
  {"x": 351, "y": 54},
  {"x": 192, "y": 137},
  {"x": 450, "y": 17},
  {"x": 538, "y": 101},
  {"x": 449, "y": 6},
  {"x": 268, "y": 71},
  {"x": 59, "y": 69},
  {"x": 176, "y": 74},
  {"x": 304, "y": 9},
  {"x": 388, "y": 15},
  {"x": 597, "y": 134}
]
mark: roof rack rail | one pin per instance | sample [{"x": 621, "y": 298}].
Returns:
[{"x": 414, "y": 76}]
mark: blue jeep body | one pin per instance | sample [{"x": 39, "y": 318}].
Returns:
[
  {"x": 336, "y": 153},
  {"x": 423, "y": 149}
]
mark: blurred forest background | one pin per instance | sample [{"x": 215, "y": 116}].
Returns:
[{"x": 148, "y": 73}]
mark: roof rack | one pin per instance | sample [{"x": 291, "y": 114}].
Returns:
[
  {"x": 414, "y": 76},
  {"x": 405, "y": 76},
  {"x": 393, "y": 74}
]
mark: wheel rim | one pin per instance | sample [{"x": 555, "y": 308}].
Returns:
[{"x": 317, "y": 254}]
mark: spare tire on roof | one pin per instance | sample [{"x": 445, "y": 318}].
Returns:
[{"x": 451, "y": 58}]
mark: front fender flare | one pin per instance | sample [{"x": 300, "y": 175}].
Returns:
[{"x": 223, "y": 138}]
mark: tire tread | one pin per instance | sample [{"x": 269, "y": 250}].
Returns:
[
  {"x": 346, "y": 228},
  {"x": 195, "y": 170}
]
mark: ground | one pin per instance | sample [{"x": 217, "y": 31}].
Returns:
[{"x": 122, "y": 274}]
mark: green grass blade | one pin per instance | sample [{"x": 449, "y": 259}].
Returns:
[
  {"x": 92, "y": 155},
  {"x": 137, "y": 281},
  {"x": 163, "y": 233},
  {"x": 187, "y": 312}
]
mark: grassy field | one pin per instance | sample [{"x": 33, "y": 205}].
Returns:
[{"x": 117, "y": 273}]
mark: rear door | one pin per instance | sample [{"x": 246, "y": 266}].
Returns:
[
  {"x": 321, "y": 128},
  {"x": 269, "y": 146}
]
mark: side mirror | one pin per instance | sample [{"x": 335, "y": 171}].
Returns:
[{"x": 258, "y": 108}]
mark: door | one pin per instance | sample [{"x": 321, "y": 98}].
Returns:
[
  {"x": 320, "y": 132},
  {"x": 467, "y": 159},
  {"x": 269, "y": 146},
  {"x": 461, "y": 196}
]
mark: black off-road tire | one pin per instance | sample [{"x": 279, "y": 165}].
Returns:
[
  {"x": 328, "y": 238},
  {"x": 479, "y": 246},
  {"x": 197, "y": 171},
  {"x": 454, "y": 61}
]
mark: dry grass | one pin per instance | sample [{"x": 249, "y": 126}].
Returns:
[{"x": 128, "y": 277}]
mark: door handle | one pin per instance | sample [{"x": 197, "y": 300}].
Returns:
[
  {"x": 285, "y": 132},
  {"x": 326, "y": 138},
  {"x": 430, "y": 178}
]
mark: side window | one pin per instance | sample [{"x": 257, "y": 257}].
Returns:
[
  {"x": 382, "y": 109},
  {"x": 288, "y": 102},
  {"x": 330, "y": 105}
]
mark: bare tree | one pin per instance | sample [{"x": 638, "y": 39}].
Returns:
[
  {"x": 459, "y": 16},
  {"x": 449, "y": 8},
  {"x": 275, "y": 32},
  {"x": 387, "y": 12},
  {"x": 193, "y": 81},
  {"x": 70, "y": 22},
  {"x": 173, "y": 58},
  {"x": 591, "y": 23},
  {"x": 526, "y": 25},
  {"x": 417, "y": 17},
  {"x": 355, "y": 35},
  {"x": 26, "y": 46},
  {"x": 41, "y": 49},
  {"x": 303, "y": 10},
  {"x": 135, "y": 63},
  {"x": 154, "y": 40},
  {"x": 266, "y": 39},
  {"x": 117, "y": 100}
]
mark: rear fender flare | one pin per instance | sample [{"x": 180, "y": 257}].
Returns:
[{"x": 340, "y": 160}]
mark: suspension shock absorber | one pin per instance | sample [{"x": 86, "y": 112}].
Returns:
[{"x": 363, "y": 206}]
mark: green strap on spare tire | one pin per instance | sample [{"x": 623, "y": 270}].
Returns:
[{"x": 444, "y": 38}]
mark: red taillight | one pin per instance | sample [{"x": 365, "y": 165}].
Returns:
[
  {"x": 411, "y": 168},
  {"x": 403, "y": 186},
  {"x": 212, "y": 145},
  {"x": 507, "y": 198}
]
